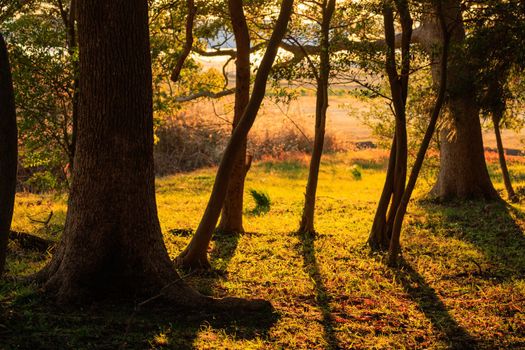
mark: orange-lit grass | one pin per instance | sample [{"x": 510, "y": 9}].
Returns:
[{"x": 463, "y": 281}]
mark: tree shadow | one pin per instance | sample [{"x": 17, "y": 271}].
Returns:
[
  {"x": 494, "y": 228},
  {"x": 434, "y": 309},
  {"x": 29, "y": 320},
  {"x": 322, "y": 296}
]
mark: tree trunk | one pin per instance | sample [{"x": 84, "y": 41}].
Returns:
[
  {"x": 394, "y": 248},
  {"x": 307, "y": 220},
  {"x": 496, "y": 120},
  {"x": 463, "y": 172},
  {"x": 112, "y": 244},
  {"x": 195, "y": 254},
  {"x": 8, "y": 151},
  {"x": 231, "y": 217},
  {"x": 379, "y": 239},
  {"x": 69, "y": 21},
  {"x": 394, "y": 187}
]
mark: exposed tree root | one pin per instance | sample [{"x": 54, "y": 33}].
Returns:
[
  {"x": 190, "y": 262},
  {"x": 29, "y": 241}
]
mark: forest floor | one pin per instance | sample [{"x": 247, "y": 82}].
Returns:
[{"x": 461, "y": 284}]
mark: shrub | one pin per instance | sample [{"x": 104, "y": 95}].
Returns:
[
  {"x": 262, "y": 202},
  {"x": 355, "y": 170},
  {"x": 186, "y": 143}
]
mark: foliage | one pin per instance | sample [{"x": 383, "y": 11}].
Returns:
[
  {"x": 355, "y": 170},
  {"x": 43, "y": 79},
  {"x": 262, "y": 202}
]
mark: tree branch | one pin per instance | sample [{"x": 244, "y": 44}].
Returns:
[
  {"x": 205, "y": 93},
  {"x": 192, "y": 10}
]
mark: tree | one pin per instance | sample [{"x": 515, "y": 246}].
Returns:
[
  {"x": 463, "y": 171},
  {"x": 44, "y": 60},
  {"x": 496, "y": 45},
  {"x": 8, "y": 151},
  {"x": 394, "y": 247},
  {"x": 112, "y": 241},
  {"x": 321, "y": 76},
  {"x": 231, "y": 217},
  {"x": 381, "y": 233},
  {"x": 195, "y": 254}
]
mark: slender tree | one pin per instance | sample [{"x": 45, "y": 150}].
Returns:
[
  {"x": 112, "y": 241},
  {"x": 195, "y": 254},
  {"x": 394, "y": 187},
  {"x": 8, "y": 151},
  {"x": 231, "y": 217},
  {"x": 69, "y": 20},
  {"x": 322, "y": 76},
  {"x": 495, "y": 102},
  {"x": 394, "y": 247}
]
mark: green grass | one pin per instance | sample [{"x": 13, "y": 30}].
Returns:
[{"x": 462, "y": 282}]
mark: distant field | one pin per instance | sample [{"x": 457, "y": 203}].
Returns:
[
  {"x": 343, "y": 118},
  {"x": 343, "y": 114}
]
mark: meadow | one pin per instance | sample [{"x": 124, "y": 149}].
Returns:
[{"x": 461, "y": 284}]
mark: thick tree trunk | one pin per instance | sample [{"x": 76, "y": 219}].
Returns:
[
  {"x": 8, "y": 151},
  {"x": 496, "y": 119},
  {"x": 463, "y": 171},
  {"x": 307, "y": 220},
  {"x": 112, "y": 243},
  {"x": 195, "y": 254},
  {"x": 231, "y": 217}
]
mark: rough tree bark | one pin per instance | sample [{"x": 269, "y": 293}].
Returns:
[
  {"x": 322, "y": 75},
  {"x": 394, "y": 247},
  {"x": 231, "y": 217},
  {"x": 463, "y": 171},
  {"x": 8, "y": 151},
  {"x": 112, "y": 243},
  {"x": 397, "y": 167},
  {"x": 195, "y": 254}
]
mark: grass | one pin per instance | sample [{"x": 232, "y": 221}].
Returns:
[{"x": 461, "y": 284}]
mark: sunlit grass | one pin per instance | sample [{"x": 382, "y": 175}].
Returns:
[{"x": 463, "y": 282}]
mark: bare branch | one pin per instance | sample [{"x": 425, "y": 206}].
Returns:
[
  {"x": 192, "y": 10},
  {"x": 207, "y": 94}
]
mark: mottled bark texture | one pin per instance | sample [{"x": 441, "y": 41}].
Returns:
[
  {"x": 463, "y": 172},
  {"x": 231, "y": 217},
  {"x": 112, "y": 244},
  {"x": 195, "y": 254},
  {"x": 322, "y": 75},
  {"x": 8, "y": 151}
]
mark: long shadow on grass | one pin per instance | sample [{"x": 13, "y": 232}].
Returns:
[
  {"x": 434, "y": 309},
  {"x": 322, "y": 297},
  {"x": 28, "y": 320},
  {"x": 31, "y": 322},
  {"x": 492, "y": 227}
]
